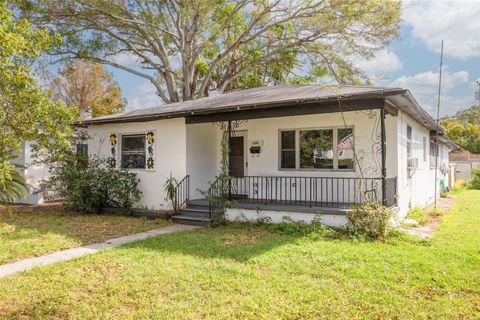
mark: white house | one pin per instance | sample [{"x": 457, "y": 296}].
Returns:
[
  {"x": 294, "y": 150},
  {"x": 33, "y": 173}
]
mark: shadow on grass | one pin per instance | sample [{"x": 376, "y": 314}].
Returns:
[{"x": 236, "y": 242}]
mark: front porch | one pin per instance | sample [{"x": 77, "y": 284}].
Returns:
[
  {"x": 285, "y": 194},
  {"x": 309, "y": 159}
]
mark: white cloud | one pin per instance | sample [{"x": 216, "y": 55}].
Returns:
[
  {"x": 455, "y": 22},
  {"x": 384, "y": 61},
  {"x": 144, "y": 96},
  {"x": 424, "y": 87}
]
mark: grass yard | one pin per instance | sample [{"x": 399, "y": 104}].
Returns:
[
  {"x": 32, "y": 234},
  {"x": 239, "y": 272}
]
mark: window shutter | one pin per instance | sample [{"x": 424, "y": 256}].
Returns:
[
  {"x": 150, "y": 150},
  {"x": 113, "y": 150}
]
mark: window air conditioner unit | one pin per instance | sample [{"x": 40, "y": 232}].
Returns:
[{"x": 413, "y": 163}]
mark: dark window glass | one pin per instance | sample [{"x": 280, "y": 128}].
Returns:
[
  {"x": 288, "y": 159},
  {"x": 133, "y": 152},
  {"x": 82, "y": 150},
  {"x": 345, "y": 148},
  {"x": 288, "y": 139},
  {"x": 287, "y": 154},
  {"x": 316, "y": 149}
]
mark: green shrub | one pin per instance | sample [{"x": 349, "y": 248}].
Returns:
[
  {"x": 417, "y": 214},
  {"x": 369, "y": 220},
  {"x": 474, "y": 182},
  {"x": 88, "y": 186}
]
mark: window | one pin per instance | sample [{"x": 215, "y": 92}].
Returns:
[
  {"x": 345, "y": 148},
  {"x": 82, "y": 150},
  {"x": 133, "y": 151},
  {"x": 424, "y": 148},
  {"x": 316, "y": 149},
  {"x": 409, "y": 142},
  {"x": 433, "y": 154},
  {"x": 288, "y": 149},
  {"x": 330, "y": 149}
]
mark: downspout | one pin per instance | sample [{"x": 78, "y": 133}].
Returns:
[{"x": 384, "y": 158}]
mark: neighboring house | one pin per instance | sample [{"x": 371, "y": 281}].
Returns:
[
  {"x": 295, "y": 150},
  {"x": 464, "y": 162},
  {"x": 33, "y": 173}
]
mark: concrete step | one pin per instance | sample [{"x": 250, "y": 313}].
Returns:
[
  {"x": 192, "y": 221},
  {"x": 195, "y": 212}
]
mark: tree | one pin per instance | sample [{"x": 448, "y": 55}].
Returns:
[
  {"x": 185, "y": 47},
  {"x": 467, "y": 136},
  {"x": 88, "y": 86},
  {"x": 26, "y": 111},
  {"x": 470, "y": 115}
]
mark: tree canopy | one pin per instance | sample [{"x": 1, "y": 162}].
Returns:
[
  {"x": 185, "y": 47},
  {"x": 88, "y": 86},
  {"x": 464, "y": 129},
  {"x": 26, "y": 111}
]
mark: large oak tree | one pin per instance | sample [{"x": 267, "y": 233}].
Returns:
[{"x": 185, "y": 47}]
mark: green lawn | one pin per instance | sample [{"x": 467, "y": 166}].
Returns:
[
  {"x": 32, "y": 234},
  {"x": 238, "y": 272}
]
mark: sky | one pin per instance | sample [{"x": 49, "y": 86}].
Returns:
[{"x": 412, "y": 61}]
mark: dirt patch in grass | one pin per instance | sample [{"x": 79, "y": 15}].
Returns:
[{"x": 434, "y": 217}]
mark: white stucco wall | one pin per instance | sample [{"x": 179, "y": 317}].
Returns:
[
  {"x": 418, "y": 189},
  {"x": 33, "y": 173},
  {"x": 170, "y": 154},
  {"x": 267, "y": 163},
  {"x": 332, "y": 220},
  {"x": 202, "y": 156}
]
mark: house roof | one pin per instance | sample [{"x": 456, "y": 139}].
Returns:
[
  {"x": 271, "y": 97},
  {"x": 463, "y": 156}
]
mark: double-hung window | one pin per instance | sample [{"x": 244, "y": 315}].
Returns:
[
  {"x": 133, "y": 154},
  {"x": 326, "y": 148}
]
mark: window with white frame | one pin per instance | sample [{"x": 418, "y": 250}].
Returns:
[
  {"x": 325, "y": 148},
  {"x": 424, "y": 148},
  {"x": 433, "y": 153},
  {"x": 133, "y": 155}
]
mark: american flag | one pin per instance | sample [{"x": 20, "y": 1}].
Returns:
[{"x": 343, "y": 144}]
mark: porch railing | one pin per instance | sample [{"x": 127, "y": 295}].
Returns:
[
  {"x": 311, "y": 191},
  {"x": 182, "y": 193}
]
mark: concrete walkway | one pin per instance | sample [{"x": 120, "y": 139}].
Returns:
[{"x": 26, "y": 264}]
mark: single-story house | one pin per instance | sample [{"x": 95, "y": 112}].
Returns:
[
  {"x": 295, "y": 150},
  {"x": 463, "y": 163}
]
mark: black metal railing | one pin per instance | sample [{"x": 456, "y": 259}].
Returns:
[
  {"x": 182, "y": 193},
  {"x": 219, "y": 189},
  {"x": 310, "y": 191}
]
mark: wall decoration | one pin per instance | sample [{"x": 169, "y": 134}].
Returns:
[
  {"x": 113, "y": 150},
  {"x": 150, "y": 140}
]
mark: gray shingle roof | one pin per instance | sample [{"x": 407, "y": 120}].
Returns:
[{"x": 257, "y": 97}]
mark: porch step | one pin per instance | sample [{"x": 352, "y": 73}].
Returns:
[
  {"x": 190, "y": 220},
  {"x": 195, "y": 212}
]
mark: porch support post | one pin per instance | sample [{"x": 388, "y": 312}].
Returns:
[
  {"x": 384, "y": 155},
  {"x": 229, "y": 133}
]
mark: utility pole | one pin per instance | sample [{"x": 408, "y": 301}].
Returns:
[{"x": 437, "y": 149}]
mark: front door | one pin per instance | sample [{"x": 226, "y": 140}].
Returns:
[{"x": 236, "y": 160}]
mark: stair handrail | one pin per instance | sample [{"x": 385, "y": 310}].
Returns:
[
  {"x": 182, "y": 192},
  {"x": 215, "y": 191}
]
